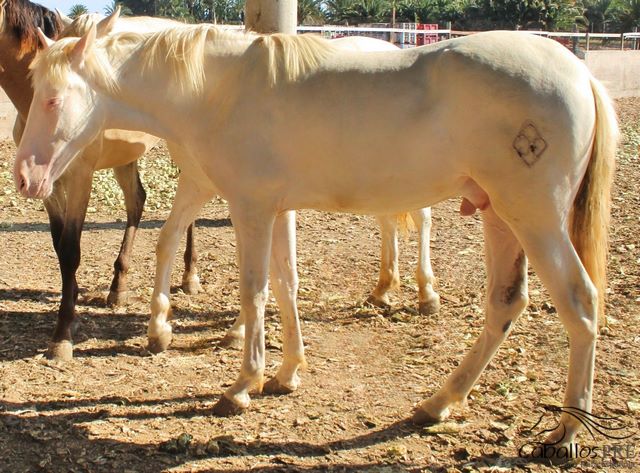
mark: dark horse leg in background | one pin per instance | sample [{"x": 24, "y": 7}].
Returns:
[
  {"x": 134, "y": 197},
  {"x": 67, "y": 209}
]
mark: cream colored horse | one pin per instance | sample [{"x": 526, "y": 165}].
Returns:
[{"x": 286, "y": 122}]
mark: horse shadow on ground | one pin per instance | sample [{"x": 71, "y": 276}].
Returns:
[
  {"x": 60, "y": 441},
  {"x": 118, "y": 225},
  {"x": 24, "y": 334}
]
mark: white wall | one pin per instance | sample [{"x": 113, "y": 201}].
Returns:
[{"x": 619, "y": 71}]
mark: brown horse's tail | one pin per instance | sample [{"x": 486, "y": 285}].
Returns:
[{"x": 591, "y": 208}]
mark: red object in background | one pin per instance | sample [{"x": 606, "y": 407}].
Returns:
[{"x": 426, "y": 38}]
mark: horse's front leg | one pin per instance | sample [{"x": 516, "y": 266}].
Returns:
[
  {"x": 77, "y": 186},
  {"x": 428, "y": 299},
  {"x": 284, "y": 283},
  {"x": 56, "y": 205},
  {"x": 188, "y": 201},
  {"x": 253, "y": 228},
  {"x": 134, "y": 197}
]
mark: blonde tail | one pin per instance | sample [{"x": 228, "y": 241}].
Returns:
[{"x": 591, "y": 208}]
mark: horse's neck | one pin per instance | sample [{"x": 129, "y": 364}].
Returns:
[{"x": 14, "y": 75}]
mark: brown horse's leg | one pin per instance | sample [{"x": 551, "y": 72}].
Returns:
[
  {"x": 190, "y": 279},
  {"x": 55, "y": 205},
  {"x": 134, "y": 197},
  {"x": 78, "y": 190}
]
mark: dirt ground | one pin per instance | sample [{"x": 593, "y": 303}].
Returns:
[{"x": 115, "y": 408}]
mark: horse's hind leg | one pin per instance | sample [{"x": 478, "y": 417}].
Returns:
[
  {"x": 428, "y": 299},
  {"x": 134, "y": 198},
  {"x": 506, "y": 299},
  {"x": 389, "y": 277},
  {"x": 188, "y": 201},
  {"x": 557, "y": 264},
  {"x": 284, "y": 283},
  {"x": 190, "y": 278}
]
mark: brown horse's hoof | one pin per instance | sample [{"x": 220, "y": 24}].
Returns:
[
  {"x": 377, "y": 302},
  {"x": 116, "y": 299},
  {"x": 430, "y": 307},
  {"x": 160, "y": 343},
  {"x": 191, "y": 286},
  {"x": 273, "y": 386},
  {"x": 60, "y": 351},
  {"x": 232, "y": 341},
  {"x": 225, "y": 407}
]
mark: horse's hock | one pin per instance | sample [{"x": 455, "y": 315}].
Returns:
[{"x": 7, "y": 116}]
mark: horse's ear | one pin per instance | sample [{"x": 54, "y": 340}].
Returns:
[
  {"x": 45, "y": 41},
  {"x": 79, "y": 52},
  {"x": 64, "y": 19},
  {"x": 105, "y": 26}
]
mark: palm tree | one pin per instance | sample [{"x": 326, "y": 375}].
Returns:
[
  {"x": 629, "y": 15},
  {"x": 310, "y": 12},
  {"x": 77, "y": 10},
  {"x": 597, "y": 13},
  {"x": 124, "y": 9}
]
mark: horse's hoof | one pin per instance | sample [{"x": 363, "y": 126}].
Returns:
[
  {"x": 422, "y": 417},
  {"x": 233, "y": 341},
  {"x": 225, "y": 407},
  {"x": 429, "y": 307},
  {"x": 60, "y": 351},
  {"x": 273, "y": 386},
  {"x": 117, "y": 298},
  {"x": 160, "y": 343},
  {"x": 191, "y": 286},
  {"x": 378, "y": 302}
]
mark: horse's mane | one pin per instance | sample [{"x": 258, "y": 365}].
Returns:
[
  {"x": 22, "y": 18},
  {"x": 268, "y": 59}
]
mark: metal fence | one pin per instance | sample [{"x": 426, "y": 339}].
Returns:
[{"x": 412, "y": 34}]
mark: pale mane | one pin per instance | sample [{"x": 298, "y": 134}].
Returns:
[
  {"x": 288, "y": 57},
  {"x": 269, "y": 59}
]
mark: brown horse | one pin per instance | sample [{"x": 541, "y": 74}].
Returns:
[{"x": 67, "y": 206}]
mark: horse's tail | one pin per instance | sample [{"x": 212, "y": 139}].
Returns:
[
  {"x": 405, "y": 223},
  {"x": 591, "y": 208}
]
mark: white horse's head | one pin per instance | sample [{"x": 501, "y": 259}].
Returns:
[{"x": 65, "y": 114}]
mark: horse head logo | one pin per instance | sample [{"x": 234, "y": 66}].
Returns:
[{"x": 609, "y": 427}]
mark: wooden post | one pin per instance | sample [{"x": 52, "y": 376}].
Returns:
[{"x": 271, "y": 16}]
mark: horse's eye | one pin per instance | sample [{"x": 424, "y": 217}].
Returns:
[{"x": 53, "y": 103}]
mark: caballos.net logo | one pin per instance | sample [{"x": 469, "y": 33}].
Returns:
[{"x": 611, "y": 444}]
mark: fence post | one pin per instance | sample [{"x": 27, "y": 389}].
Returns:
[
  {"x": 588, "y": 39},
  {"x": 449, "y": 28},
  {"x": 621, "y": 41},
  {"x": 574, "y": 39}
]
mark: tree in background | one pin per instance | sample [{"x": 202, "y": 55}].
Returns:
[
  {"x": 310, "y": 12},
  {"x": 124, "y": 10},
  {"x": 597, "y": 14},
  {"x": 77, "y": 10},
  {"x": 594, "y": 15}
]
